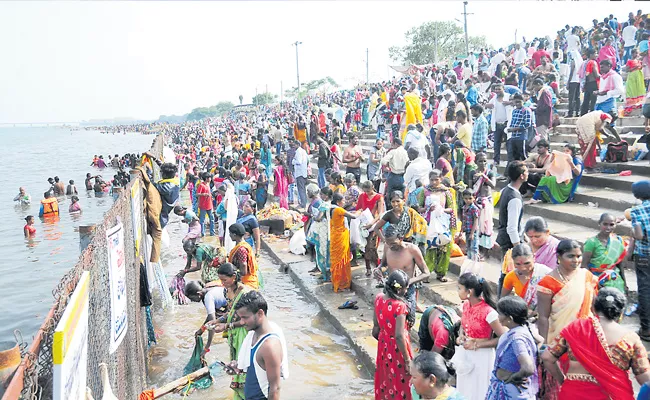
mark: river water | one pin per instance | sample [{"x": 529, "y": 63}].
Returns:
[
  {"x": 322, "y": 363},
  {"x": 32, "y": 268}
]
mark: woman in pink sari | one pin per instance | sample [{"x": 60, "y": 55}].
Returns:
[
  {"x": 600, "y": 352},
  {"x": 608, "y": 52},
  {"x": 281, "y": 188}
]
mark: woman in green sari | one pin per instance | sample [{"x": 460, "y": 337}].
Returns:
[
  {"x": 549, "y": 190},
  {"x": 603, "y": 253},
  {"x": 229, "y": 324}
]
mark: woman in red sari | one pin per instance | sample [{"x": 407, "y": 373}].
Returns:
[
  {"x": 600, "y": 354},
  {"x": 373, "y": 201},
  {"x": 281, "y": 188},
  {"x": 394, "y": 355}
]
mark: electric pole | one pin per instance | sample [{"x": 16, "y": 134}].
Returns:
[
  {"x": 297, "y": 68},
  {"x": 367, "y": 80},
  {"x": 465, "y": 14},
  {"x": 281, "y": 93}
]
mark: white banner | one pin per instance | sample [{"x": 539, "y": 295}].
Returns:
[
  {"x": 70, "y": 345},
  {"x": 136, "y": 215},
  {"x": 117, "y": 281}
]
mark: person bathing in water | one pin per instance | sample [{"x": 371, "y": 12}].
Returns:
[
  {"x": 75, "y": 207},
  {"x": 71, "y": 189},
  {"x": 29, "y": 229}
]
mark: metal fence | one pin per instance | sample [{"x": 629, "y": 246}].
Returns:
[{"x": 127, "y": 365}]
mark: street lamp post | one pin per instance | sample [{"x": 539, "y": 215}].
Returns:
[
  {"x": 297, "y": 68},
  {"x": 465, "y": 18}
]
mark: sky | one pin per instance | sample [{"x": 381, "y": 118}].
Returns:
[{"x": 73, "y": 61}]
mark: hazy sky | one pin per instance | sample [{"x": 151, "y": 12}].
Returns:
[{"x": 69, "y": 61}]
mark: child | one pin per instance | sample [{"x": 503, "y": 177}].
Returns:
[
  {"x": 470, "y": 224},
  {"x": 71, "y": 189},
  {"x": 194, "y": 227},
  {"x": 412, "y": 200},
  {"x": 640, "y": 217},
  {"x": 29, "y": 229},
  {"x": 483, "y": 182},
  {"x": 75, "y": 207}
]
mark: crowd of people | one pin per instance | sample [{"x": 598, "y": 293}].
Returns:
[{"x": 551, "y": 328}]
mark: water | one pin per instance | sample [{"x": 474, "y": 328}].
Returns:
[
  {"x": 31, "y": 268},
  {"x": 322, "y": 363}
]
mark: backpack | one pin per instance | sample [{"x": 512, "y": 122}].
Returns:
[{"x": 616, "y": 152}]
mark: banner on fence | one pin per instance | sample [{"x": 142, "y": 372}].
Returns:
[
  {"x": 70, "y": 345},
  {"x": 117, "y": 279},
  {"x": 136, "y": 215}
]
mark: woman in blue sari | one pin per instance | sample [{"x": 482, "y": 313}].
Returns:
[
  {"x": 246, "y": 217},
  {"x": 549, "y": 190},
  {"x": 318, "y": 234},
  {"x": 365, "y": 112},
  {"x": 515, "y": 367},
  {"x": 266, "y": 158}
]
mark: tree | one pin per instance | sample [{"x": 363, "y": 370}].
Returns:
[
  {"x": 241, "y": 99},
  {"x": 206, "y": 112},
  {"x": 263, "y": 98},
  {"x": 316, "y": 85},
  {"x": 421, "y": 43}
]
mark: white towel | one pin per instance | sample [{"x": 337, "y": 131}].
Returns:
[{"x": 244, "y": 358}]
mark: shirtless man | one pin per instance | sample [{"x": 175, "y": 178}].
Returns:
[
  {"x": 353, "y": 156},
  {"x": 405, "y": 256},
  {"x": 59, "y": 187}
]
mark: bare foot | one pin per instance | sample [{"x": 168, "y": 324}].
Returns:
[{"x": 532, "y": 201}]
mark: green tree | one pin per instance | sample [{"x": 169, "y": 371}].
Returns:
[
  {"x": 241, "y": 99},
  {"x": 421, "y": 45},
  {"x": 263, "y": 98},
  {"x": 212, "y": 111},
  {"x": 316, "y": 84}
]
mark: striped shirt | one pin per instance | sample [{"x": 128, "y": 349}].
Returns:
[{"x": 480, "y": 134}]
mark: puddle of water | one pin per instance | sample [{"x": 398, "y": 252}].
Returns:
[{"x": 322, "y": 362}]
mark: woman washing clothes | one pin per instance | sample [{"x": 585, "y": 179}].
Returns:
[
  {"x": 589, "y": 128},
  {"x": 562, "y": 178}
]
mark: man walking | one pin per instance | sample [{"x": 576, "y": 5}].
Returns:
[
  {"x": 544, "y": 107},
  {"x": 592, "y": 77},
  {"x": 479, "y": 130},
  {"x": 640, "y": 216},
  {"x": 610, "y": 87},
  {"x": 501, "y": 112},
  {"x": 205, "y": 203},
  {"x": 300, "y": 161},
  {"x": 520, "y": 124},
  {"x": 324, "y": 160}
]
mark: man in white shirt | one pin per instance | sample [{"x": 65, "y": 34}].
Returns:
[
  {"x": 610, "y": 87},
  {"x": 573, "y": 41},
  {"x": 629, "y": 37},
  {"x": 417, "y": 169},
  {"x": 416, "y": 140},
  {"x": 396, "y": 159},
  {"x": 501, "y": 112},
  {"x": 472, "y": 61},
  {"x": 300, "y": 161},
  {"x": 519, "y": 56},
  {"x": 575, "y": 63}
]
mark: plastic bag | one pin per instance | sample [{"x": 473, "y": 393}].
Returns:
[
  {"x": 355, "y": 232},
  {"x": 456, "y": 251},
  {"x": 472, "y": 266},
  {"x": 298, "y": 242},
  {"x": 438, "y": 233},
  {"x": 164, "y": 238}
]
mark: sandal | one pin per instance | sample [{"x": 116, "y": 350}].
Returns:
[
  {"x": 315, "y": 270},
  {"x": 368, "y": 272},
  {"x": 442, "y": 279},
  {"x": 349, "y": 305}
]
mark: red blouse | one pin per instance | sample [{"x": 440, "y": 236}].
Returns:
[{"x": 475, "y": 320}]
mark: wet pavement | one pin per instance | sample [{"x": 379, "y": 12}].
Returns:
[{"x": 322, "y": 362}]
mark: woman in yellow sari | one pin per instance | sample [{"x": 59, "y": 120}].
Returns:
[
  {"x": 242, "y": 256},
  {"x": 413, "y": 112},
  {"x": 340, "y": 256},
  {"x": 563, "y": 296}
]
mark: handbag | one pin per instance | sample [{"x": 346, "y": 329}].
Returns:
[{"x": 616, "y": 152}]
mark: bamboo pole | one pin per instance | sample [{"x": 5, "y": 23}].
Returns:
[{"x": 180, "y": 382}]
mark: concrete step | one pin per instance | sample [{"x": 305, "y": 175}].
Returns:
[
  {"x": 621, "y": 122},
  {"x": 572, "y": 138},
  {"x": 636, "y": 129}
]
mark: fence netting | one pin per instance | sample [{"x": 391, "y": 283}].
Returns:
[{"x": 127, "y": 366}]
